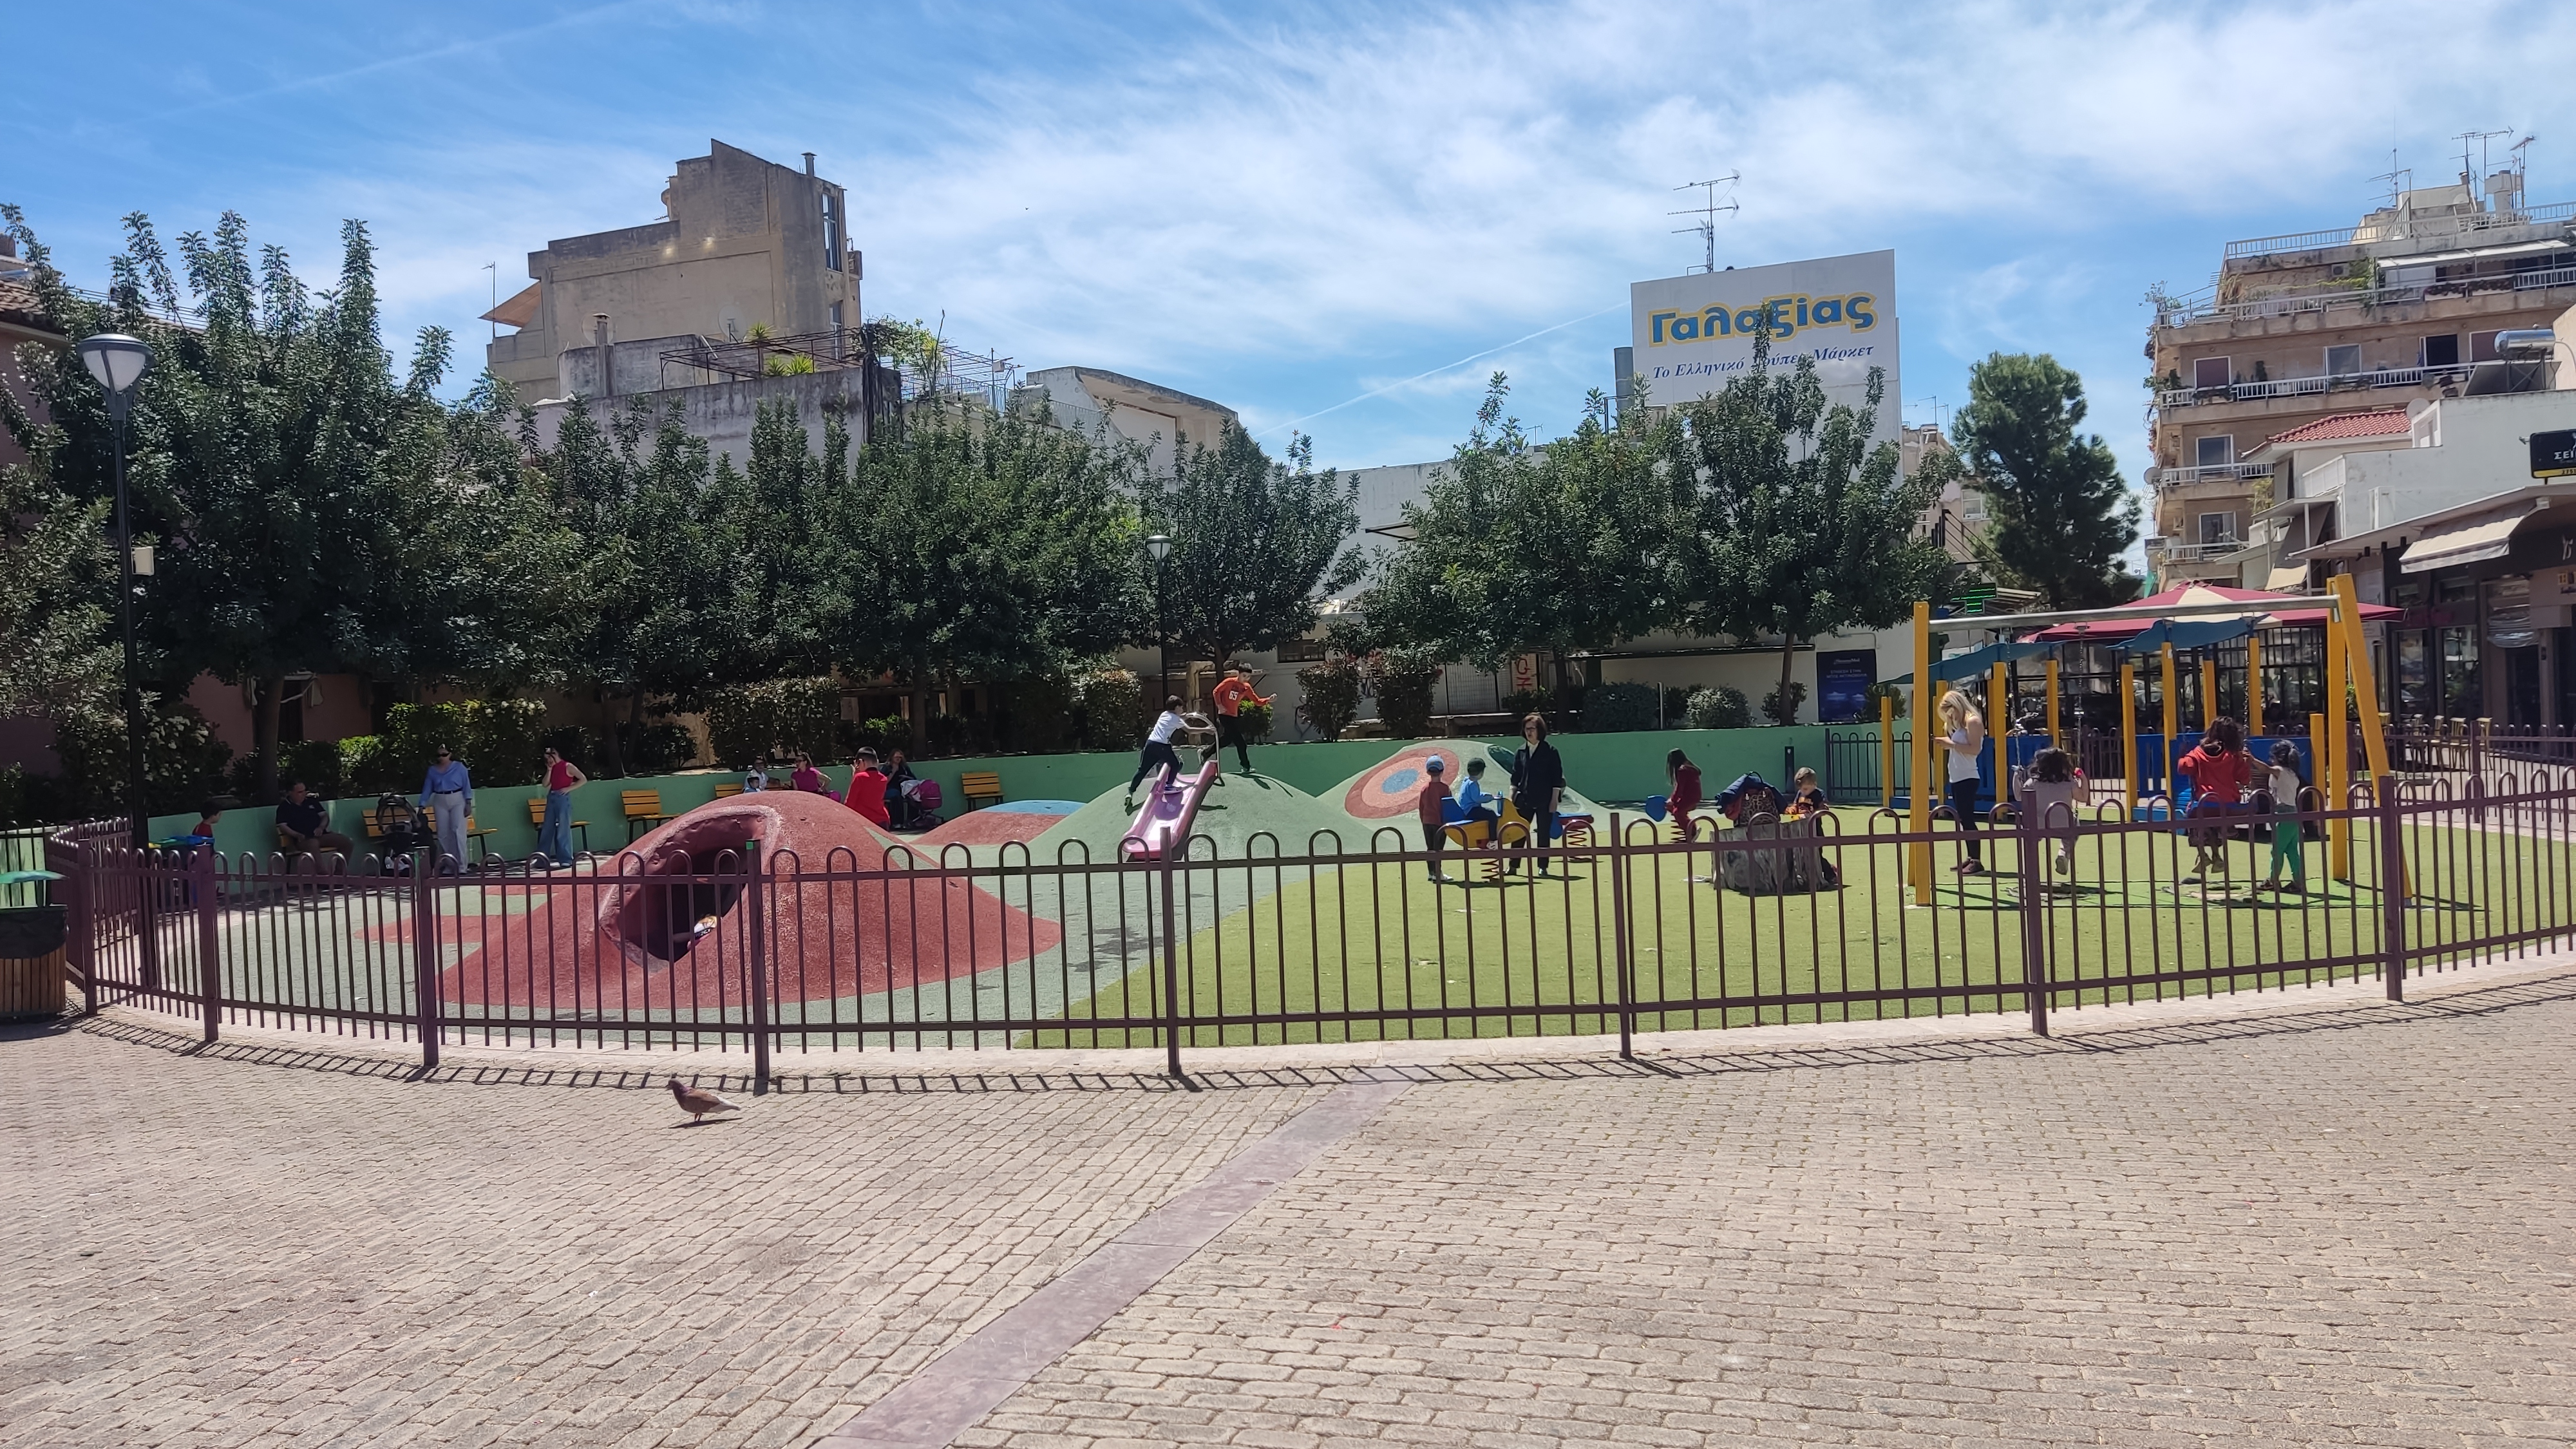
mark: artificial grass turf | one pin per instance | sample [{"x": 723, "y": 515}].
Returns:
[{"x": 1539, "y": 959}]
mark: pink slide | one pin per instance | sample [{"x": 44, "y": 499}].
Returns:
[{"x": 1170, "y": 805}]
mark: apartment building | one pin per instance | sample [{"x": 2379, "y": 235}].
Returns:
[
  {"x": 2399, "y": 308},
  {"x": 743, "y": 244}
]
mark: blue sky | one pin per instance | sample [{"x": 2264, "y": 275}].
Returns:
[{"x": 1288, "y": 208}]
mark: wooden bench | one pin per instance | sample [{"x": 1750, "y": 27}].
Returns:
[
  {"x": 985, "y": 785},
  {"x": 727, "y": 792},
  {"x": 643, "y": 811},
  {"x": 476, "y": 840},
  {"x": 537, "y": 818}
]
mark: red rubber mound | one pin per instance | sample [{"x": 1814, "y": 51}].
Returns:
[{"x": 663, "y": 929}]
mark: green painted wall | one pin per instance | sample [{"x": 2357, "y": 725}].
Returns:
[{"x": 1609, "y": 768}]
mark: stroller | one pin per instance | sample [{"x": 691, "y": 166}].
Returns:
[
  {"x": 915, "y": 805},
  {"x": 399, "y": 832}
]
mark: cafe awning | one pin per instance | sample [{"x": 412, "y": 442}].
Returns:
[{"x": 2476, "y": 543}]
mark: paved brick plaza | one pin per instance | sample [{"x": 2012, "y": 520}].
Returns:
[{"x": 2350, "y": 1225}]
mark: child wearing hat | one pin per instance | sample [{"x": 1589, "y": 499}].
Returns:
[{"x": 1432, "y": 802}]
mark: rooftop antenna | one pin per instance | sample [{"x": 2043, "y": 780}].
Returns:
[
  {"x": 495, "y": 269},
  {"x": 1935, "y": 401},
  {"x": 2481, "y": 137},
  {"x": 1707, "y": 212},
  {"x": 2396, "y": 176}
]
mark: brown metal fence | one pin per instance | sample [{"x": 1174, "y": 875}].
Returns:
[{"x": 1326, "y": 941}]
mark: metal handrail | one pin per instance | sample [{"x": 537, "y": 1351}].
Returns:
[{"x": 2412, "y": 230}]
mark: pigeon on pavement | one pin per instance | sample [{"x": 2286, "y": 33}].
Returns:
[{"x": 698, "y": 1102}]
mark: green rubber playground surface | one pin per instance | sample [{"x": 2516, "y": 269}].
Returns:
[{"x": 1523, "y": 958}]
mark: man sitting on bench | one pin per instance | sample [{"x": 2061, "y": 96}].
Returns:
[{"x": 304, "y": 824}]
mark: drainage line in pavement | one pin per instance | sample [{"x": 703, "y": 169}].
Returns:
[{"x": 975, "y": 1377}]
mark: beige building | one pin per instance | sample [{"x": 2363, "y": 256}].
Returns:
[
  {"x": 2400, "y": 308},
  {"x": 1160, "y": 419},
  {"x": 743, "y": 243}
]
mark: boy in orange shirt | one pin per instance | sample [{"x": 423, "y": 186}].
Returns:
[{"x": 1231, "y": 694}]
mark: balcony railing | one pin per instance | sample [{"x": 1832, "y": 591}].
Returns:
[
  {"x": 2179, "y": 312},
  {"x": 2183, "y": 397},
  {"x": 2429, "y": 228},
  {"x": 2207, "y": 473},
  {"x": 2194, "y": 553}
]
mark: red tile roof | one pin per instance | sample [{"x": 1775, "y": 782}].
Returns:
[{"x": 2386, "y": 423}]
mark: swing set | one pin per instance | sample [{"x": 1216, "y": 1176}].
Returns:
[{"x": 2349, "y": 686}]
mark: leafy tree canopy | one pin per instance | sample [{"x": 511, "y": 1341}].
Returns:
[
  {"x": 1257, "y": 543},
  {"x": 2061, "y": 517}
]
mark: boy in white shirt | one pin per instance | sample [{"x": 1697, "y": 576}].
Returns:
[
  {"x": 2285, "y": 785},
  {"x": 1158, "y": 747}
]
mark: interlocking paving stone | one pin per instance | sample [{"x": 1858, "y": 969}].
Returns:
[
  {"x": 2355, "y": 1228},
  {"x": 2349, "y": 1226}
]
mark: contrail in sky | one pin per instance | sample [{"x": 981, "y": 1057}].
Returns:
[{"x": 1435, "y": 372}]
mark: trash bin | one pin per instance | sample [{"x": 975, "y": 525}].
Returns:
[{"x": 32, "y": 979}]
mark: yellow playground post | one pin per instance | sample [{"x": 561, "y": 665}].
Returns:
[
  {"x": 2053, "y": 740},
  {"x": 2338, "y": 795},
  {"x": 1918, "y": 794},
  {"x": 2173, "y": 721},
  {"x": 2208, "y": 689},
  {"x": 2129, "y": 733},
  {"x": 2365, "y": 687},
  {"x": 2254, "y": 683}
]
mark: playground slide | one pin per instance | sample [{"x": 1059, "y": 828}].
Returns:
[{"x": 1170, "y": 805}]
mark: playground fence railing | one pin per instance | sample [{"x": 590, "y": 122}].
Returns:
[{"x": 1327, "y": 940}]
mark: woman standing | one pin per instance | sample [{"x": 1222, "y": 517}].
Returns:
[
  {"x": 1538, "y": 785},
  {"x": 1963, "y": 735},
  {"x": 554, "y": 838}
]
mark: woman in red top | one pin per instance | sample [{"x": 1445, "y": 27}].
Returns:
[{"x": 2220, "y": 773}]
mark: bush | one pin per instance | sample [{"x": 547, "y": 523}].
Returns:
[
  {"x": 1112, "y": 706},
  {"x": 1256, "y": 722},
  {"x": 315, "y": 762},
  {"x": 657, "y": 749},
  {"x": 1876, "y": 692},
  {"x": 748, "y": 721},
  {"x": 1040, "y": 716},
  {"x": 367, "y": 768},
  {"x": 1332, "y": 695},
  {"x": 183, "y": 762},
  {"x": 884, "y": 734},
  {"x": 1720, "y": 708},
  {"x": 1772, "y": 711},
  {"x": 507, "y": 740},
  {"x": 1520, "y": 704},
  {"x": 1404, "y": 678},
  {"x": 1676, "y": 706},
  {"x": 1611, "y": 707}
]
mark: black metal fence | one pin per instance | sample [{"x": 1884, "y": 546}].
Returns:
[{"x": 1840, "y": 917}]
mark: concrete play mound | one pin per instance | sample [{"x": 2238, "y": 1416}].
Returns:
[
  {"x": 1244, "y": 810},
  {"x": 643, "y": 934},
  {"x": 995, "y": 825}
]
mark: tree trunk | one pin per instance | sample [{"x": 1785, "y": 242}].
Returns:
[
  {"x": 920, "y": 713},
  {"x": 263, "y": 738},
  {"x": 1788, "y": 656},
  {"x": 635, "y": 721},
  {"x": 613, "y": 749}
]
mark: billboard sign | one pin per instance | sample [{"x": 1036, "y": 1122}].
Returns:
[
  {"x": 1692, "y": 334},
  {"x": 2553, "y": 455}
]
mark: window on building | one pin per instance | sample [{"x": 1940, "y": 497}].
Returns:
[
  {"x": 831, "y": 234},
  {"x": 2209, "y": 372},
  {"x": 2482, "y": 347},
  {"x": 1300, "y": 651},
  {"x": 2343, "y": 361},
  {"x": 2215, "y": 452},
  {"x": 2217, "y": 528},
  {"x": 2442, "y": 350}
]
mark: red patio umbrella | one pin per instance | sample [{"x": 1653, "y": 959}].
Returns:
[{"x": 2131, "y": 618}]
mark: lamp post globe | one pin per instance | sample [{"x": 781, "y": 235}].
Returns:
[{"x": 118, "y": 362}]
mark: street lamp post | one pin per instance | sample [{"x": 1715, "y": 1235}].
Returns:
[
  {"x": 1160, "y": 546},
  {"x": 119, "y": 362}
]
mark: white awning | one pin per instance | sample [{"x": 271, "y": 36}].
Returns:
[
  {"x": 2287, "y": 579},
  {"x": 2474, "y": 544}
]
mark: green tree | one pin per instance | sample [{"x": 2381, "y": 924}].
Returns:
[
  {"x": 57, "y": 656},
  {"x": 1257, "y": 544},
  {"x": 2061, "y": 518},
  {"x": 974, "y": 546},
  {"x": 1798, "y": 526},
  {"x": 257, "y": 448},
  {"x": 1469, "y": 585}
]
